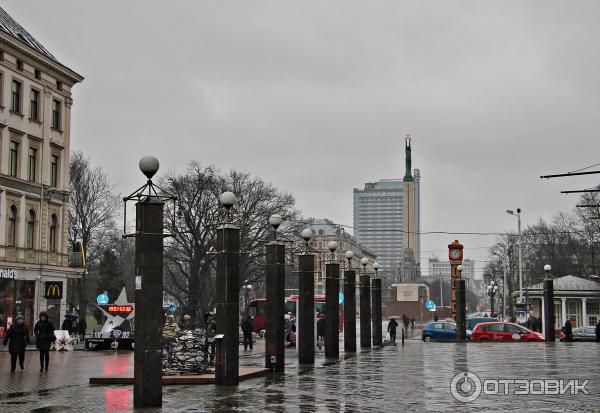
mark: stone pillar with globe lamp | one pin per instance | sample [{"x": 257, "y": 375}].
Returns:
[
  {"x": 349, "y": 305},
  {"x": 227, "y": 296},
  {"x": 365, "y": 305},
  {"x": 275, "y": 304},
  {"x": 376, "y": 308},
  {"x": 332, "y": 310},
  {"x": 549, "y": 331},
  {"x": 461, "y": 306},
  {"x": 149, "y": 235},
  {"x": 305, "y": 339}
]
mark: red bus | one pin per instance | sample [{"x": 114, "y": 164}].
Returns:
[{"x": 256, "y": 310}]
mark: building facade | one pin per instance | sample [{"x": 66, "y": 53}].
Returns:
[
  {"x": 575, "y": 298},
  {"x": 387, "y": 220},
  {"x": 325, "y": 231},
  {"x": 441, "y": 269},
  {"x": 35, "y": 119}
]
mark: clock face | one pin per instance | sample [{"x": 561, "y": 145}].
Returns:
[{"x": 454, "y": 254}]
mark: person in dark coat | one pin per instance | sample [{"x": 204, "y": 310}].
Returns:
[
  {"x": 412, "y": 322},
  {"x": 598, "y": 331},
  {"x": 17, "y": 338},
  {"x": 392, "y": 325},
  {"x": 534, "y": 323},
  {"x": 44, "y": 335},
  {"x": 321, "y": 331},
  {"x": 247, "y": 330},
  {"x": 567, "y": 329},
  {"x": 82, "y": 326},
  {"x": 405, "y": 321}
]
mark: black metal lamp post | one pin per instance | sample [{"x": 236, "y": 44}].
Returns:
[
  {"x": 275, "y": 305},
  {"x": 461, "y": 306},
  {"x": 149, "y": 233},
  {"x": 376, "y": 312},
  {"x": 492, "y": 289},
  {"x": 305, "y": 338},
  {"x": 332, "y": 311},
  {"x": 365, "y": 306},
  {"x": 349, "y": 306},
  {"x": 227, "y": 296},
  {"x": 549, "y": 332}
]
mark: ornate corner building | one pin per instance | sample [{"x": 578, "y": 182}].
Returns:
[{"x": 35, "y": 120}]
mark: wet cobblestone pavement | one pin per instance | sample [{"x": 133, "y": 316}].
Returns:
[{"x": 415, "y": 377}]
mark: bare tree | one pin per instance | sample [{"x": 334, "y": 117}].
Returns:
[
  {"x": 190, "y": 267},
  {"x": 93, "y": 207}
]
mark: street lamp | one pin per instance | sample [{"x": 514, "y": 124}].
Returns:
[
  {"x": 518, "y": 215},
  {"x": 332, "y": 245},
  {"x": 376, "y": 267},
  {"x": 460, "y": 270},
  {"x": 349, "y": 256},
  {"x": 275, "y": 221},
  {"x": 492, "y": 289}
]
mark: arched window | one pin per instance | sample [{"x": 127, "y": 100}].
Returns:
[
  {"x": 12, "y": 226},
  {"x": 53, "y": 229},
  {"x": 31, "y": 230}
]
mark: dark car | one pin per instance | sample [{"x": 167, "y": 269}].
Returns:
[
  {"x": 473, "y": 321},
  {"x": 504, "y": 331},
  {"x": 439, "y": 330},
  {"x": 585, "y": 333}
]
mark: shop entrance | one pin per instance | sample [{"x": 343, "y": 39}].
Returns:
[{"x": 17, "y": 297}]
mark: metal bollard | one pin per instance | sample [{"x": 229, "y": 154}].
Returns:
[{"x": 402, "y": 337}]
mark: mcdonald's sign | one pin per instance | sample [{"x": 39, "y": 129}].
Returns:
[{"x": 53, "y": 290}]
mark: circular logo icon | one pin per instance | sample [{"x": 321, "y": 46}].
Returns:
[
  {"x": 465, "y": 387},
  {"x": 516, "y": 336}
]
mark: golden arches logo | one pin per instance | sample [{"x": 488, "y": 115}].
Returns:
[{"x": 54, "y": 290}]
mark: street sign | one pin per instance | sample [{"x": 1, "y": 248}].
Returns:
[
  {"x": 102, "y": 298},
  {"x": 341, "y": 298},
  {"x": 430, "y": 304}
]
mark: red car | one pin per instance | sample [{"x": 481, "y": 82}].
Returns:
[{"x": 504, "y": 331}]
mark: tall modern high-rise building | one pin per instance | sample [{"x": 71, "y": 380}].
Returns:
[{"x": 387, "y": 220}]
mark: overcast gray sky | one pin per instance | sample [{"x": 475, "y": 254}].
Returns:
[{"x": 316, "y": 97}]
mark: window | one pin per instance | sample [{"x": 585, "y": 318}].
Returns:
[
  {"x": 12, "y": 226},
  {"x": 52, "y": 238},
  {"x": 34, "y": 111},
  {"x": 31, "y": 165},
  {"x": 16, "y": 96},
  {"x": 54, "y": 171},
  {"x": 55, "y": 114},
  {"x": 13, "y": 156},
  {"x": 31, "y": 230},
  {"x": 38, "y": 74},
  {"x": 19, "y": 64}
]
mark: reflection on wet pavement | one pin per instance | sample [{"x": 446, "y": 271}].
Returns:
[{"x": 415, "y": 377}]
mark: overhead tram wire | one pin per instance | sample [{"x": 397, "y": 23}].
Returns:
[{"x": 333, "y": 224}]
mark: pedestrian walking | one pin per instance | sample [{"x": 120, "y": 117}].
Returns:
[
  {"x": 392, "y": 325},
  {"x": 598, "y": 331},
  {"x": 435, "y": 318},
  {"x": 534, "y": 323},
  {"x": 567, "y": 329},
  {"x": 44, "y": 336},
  {"x": 405, "y": 321},
  {"x": 247, "y": 331},
  {"x": 412, "y": 322},
  {"x": 82, "y": 327},
  {"x": 321, "y": 331},
  {"x": 17, "y": 338}
]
